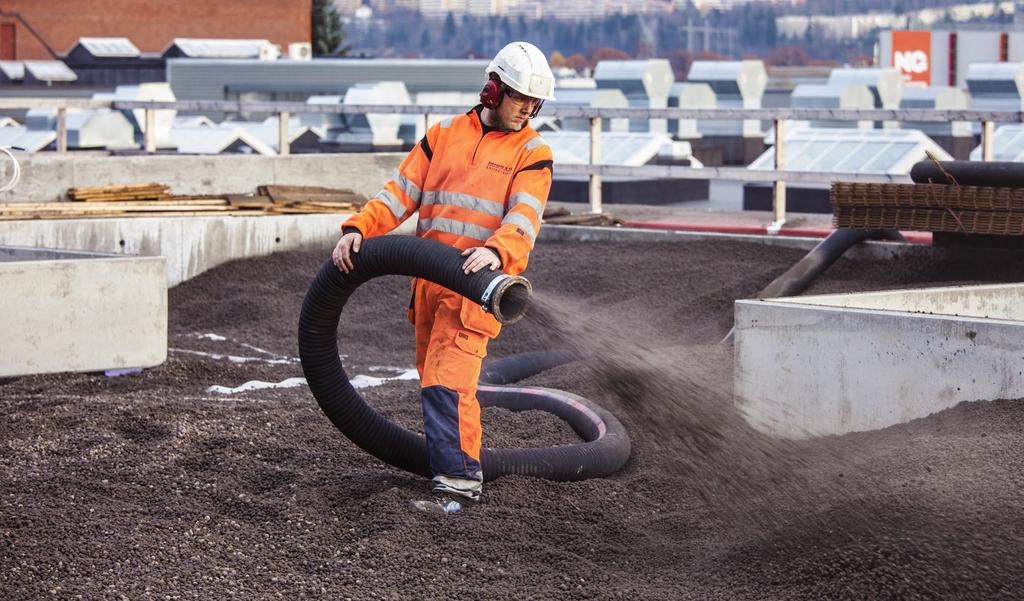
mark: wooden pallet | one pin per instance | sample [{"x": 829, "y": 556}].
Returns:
[
  {"x": 562, "y": 216},
  {"x": 309, "y": 199},
  {"x": 279, "y": 194}
]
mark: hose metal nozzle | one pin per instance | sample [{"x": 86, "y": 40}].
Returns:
[{"x": 507, "y": 298}]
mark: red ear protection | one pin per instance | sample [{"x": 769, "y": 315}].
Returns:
[{"x": 492, "y": 93}]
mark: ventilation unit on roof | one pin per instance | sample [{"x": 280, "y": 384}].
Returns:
[
  {"x": 300, "y": 51},
  {"x": 269, "y": 52}
]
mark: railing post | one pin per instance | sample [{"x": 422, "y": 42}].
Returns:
[
  {"x": 988, "y": 142},
  {"x": 283, "y": 142},
  {"x": 62, "y": 129},
  {"x": 595, "y": 161},
  {"x": 149, "y": 134},
  {"x": 779, "y": 191}
]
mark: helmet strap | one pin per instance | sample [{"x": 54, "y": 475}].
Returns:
[{"x": 536, "y": 109}]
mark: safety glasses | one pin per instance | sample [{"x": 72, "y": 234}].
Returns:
[{"x": 520, "y": 98}]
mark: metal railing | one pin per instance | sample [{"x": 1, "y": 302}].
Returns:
[{"x": 778, "y": 116}]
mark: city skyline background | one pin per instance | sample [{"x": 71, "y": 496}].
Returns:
[{"x": 790, "y": 33}]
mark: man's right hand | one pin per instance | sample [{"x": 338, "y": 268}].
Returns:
[{"x": 342, "y": 255}]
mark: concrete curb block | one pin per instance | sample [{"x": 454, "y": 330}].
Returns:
[
  {"x": 71, "y": 311},
  {"x": 190, "y": 245},
  {"x": 833, "y": 364}
]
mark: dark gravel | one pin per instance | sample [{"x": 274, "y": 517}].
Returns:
[{"x": 148, "y": 486}]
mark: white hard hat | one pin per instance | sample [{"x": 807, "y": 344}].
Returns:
[{"x": 522, "y": 67}]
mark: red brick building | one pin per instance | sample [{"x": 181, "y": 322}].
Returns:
[{"x": 39, "y": 29}]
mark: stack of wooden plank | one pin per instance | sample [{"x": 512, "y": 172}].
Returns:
[
  {"x": 155, "y": 200},
  {"x": 173, "y": 207},
  {"x": 310, "y": 199},
  {"x": 562, "y": 216},
  {"x": 121, "y": 193},
  {"x": 929, "y": 207}
]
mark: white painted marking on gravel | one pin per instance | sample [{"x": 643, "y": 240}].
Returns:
[
  {"x": 360, "y": 381},
  {"x": 258, "y": 385},
  {"x": 264, "y": 351},
  {"x": 217, "y": 337},
  {"x": 236, "y": 358}
]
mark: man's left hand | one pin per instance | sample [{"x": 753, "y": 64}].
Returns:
[{"x": 480, "y": 257}]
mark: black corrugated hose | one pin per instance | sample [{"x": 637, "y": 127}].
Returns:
[
  {"x": 800, "y": 276},
  {"x": 508, "y": 370},
  {"x": 969, "y": 173},
  {"x": 606, "y": 448}
]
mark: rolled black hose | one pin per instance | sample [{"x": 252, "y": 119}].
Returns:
[
  {"x": 518, "y": 367},
  {"x": 607, "y": 445},
  {"x": 969, "y": 173},
  {"x": 605, "y": 451}
]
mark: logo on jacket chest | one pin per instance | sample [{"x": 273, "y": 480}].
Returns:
[{"x": 502, "y": 169}]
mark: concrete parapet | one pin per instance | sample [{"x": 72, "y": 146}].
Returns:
[
  {"x": 190, "y": 245},
  {"x": 865, "y": 250},
  {"x": 47, "y": 177},
  {"x": 832, "y": 364},
  {"x": 65, "y": 311}
]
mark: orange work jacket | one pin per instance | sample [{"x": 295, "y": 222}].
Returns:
[{"x": 471, "y": 189}]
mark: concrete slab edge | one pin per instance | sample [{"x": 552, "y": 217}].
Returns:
[{"x": 578, "y": 233}]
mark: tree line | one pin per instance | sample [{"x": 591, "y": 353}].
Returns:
[{"x": 681, "y": 36}]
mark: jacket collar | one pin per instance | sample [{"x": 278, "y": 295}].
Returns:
[{"x": 475, "y": 114}]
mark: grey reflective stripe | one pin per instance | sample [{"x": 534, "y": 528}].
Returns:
[
  {"x": 452, "y": 226},
  {"x": 397, "y": 208},
  {"x": 446, "y": 123},
  {"x": 527, "y": 199},
  {"x": 522, "y": 221},
  {"x": 535, "y": 143},
  {"x": 465, "y": 201},
  {"x": 409, "y": 187}
]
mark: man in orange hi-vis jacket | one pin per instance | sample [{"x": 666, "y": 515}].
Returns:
[{"x": 480, "y": 182}]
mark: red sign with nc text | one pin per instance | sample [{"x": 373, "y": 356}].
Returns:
[{"x": 911, "y": 55}]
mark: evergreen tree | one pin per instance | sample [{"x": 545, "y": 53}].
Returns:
[
  {"x": 449, "y": 26},
  {"x": 328, "y": 35},
  {"x": 506, "y": 31}
]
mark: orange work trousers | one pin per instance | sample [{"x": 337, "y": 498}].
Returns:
[{"x": 452, "y": 333}]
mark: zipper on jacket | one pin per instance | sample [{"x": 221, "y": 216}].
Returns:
[
  {"x": 477, "y": 149},
  {"x": 479, "y": 123}
]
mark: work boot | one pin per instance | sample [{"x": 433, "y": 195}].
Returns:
[
  {"x": 437, "y": 504},
  {"x": 461, "y": 488}
]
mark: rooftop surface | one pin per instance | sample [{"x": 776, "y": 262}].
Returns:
[{"x": 151, "y": 483}]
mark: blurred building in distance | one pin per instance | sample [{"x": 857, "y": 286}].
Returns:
[{"x": 49, "y": 29}]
